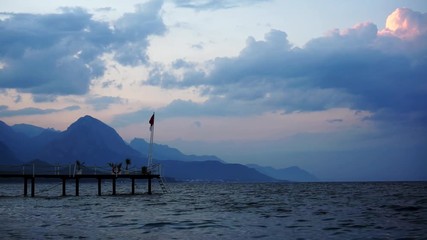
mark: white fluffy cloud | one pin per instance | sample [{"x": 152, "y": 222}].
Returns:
[{"x": 406, "y": 24}]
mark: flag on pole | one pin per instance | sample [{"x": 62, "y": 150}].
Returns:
[{"x": 151, "y": 122}]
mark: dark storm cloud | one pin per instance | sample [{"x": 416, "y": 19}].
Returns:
[
  {"x": 5, "y": 112},
  {"x": 355, "y": 68},
  {"x": 60, "y": 53}
]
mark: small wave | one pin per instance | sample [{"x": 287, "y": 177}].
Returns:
[
  {"x": 114, "y": 216},
  {"x": 331, "y": 228},
  {"x": 284, "y": 210},
  {"x": 157, "y": 224},
  {"x": 421, "y": 201},
  {"x": 320, "y": 212},
  {"x": 400, "y": 208}
]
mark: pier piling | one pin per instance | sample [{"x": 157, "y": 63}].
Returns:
[
  {"x": 114, "y": 186},
  {"x": 64, "y": 192},
  {"x": 25, "y": 186},
  {"x": 64, "y": 177},
  {"x": 77, "y": 186},
  {"x": 149, "y": 186},
  {"x": 99, "y": 186},
  {"x": 33, "y": 186}
]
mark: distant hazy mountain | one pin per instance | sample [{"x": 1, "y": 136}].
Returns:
[
  {"x": 39, "y": 137},
  {"x": 212, "y": 171},
  {"x": 16, "y": 142},
  {"x": 45, "y": 137},
  {"x": 27, "y": 129},
  {"x": 91, "y": 141},
  {"x": 164, "y": 152},
  {"x": 7, "y": 157},
  {"x": 294, "y": 173},
  {"x": 22, "y": 140}
]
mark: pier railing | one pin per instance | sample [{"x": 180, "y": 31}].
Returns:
[
  {"x": 70, "y": 170},
  {"x": 76, "y": 172}
]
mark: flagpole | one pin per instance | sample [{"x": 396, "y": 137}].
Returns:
[{"x": 150, "y": 151}]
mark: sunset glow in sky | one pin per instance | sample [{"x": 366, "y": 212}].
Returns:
[{"x": 338, "y": 88}]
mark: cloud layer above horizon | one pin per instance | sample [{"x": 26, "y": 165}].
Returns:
[
  {"x": 262, "y": 95},
  {"x": 361, "y": 68}
]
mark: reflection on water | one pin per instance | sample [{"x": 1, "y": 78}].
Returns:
[{"x": 219, "y": 211}]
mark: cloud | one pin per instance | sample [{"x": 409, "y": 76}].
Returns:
[
  {"x": 213, "y": 4},
  {"x": 111, "y": 83},
  {"x": 103, "y": 102},
  {"x": 5, "y": 112},
  {"x": 198, "y": 46},
  {"x": 104, "y": 9},
  {"x": 44, "y": 98},
  {"x": 175, "y": 109},
  {"x": 41, "y": 52},
  {"x": 17, "y": 99},
  {"x": 352, "y": 68},
  {"x": 197, "y": 124},
  {"x": 60, "y": 53},
  {"x": 130, "y": 118},
  {"x": 132, "y": 30},
  {"x": 337, "y": 120},
  {"x": 181, "y": 63},
  {"x": 214, "y": 107},
  {"x": 406, "y": 24}
]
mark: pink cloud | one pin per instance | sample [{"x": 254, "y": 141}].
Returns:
[{"x": 405, "y": 24}]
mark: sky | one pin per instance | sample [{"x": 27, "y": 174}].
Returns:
[{"x": 338, "y": 88}]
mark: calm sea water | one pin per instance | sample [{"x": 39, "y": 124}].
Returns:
[{"x": 219, "y": 211}]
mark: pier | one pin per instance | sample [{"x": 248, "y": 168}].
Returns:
[{"x": 93, "y": 173}]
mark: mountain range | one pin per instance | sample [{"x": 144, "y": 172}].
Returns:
[
  {"x": 94, "y": 143},
  {"x": 294, "y": 173},
  {"x": 164, "y": 152}
]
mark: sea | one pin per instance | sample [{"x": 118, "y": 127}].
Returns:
[{"x": 369, "y": 210}]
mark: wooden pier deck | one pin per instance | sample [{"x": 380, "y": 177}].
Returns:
[{"x": 33, "y": 176}]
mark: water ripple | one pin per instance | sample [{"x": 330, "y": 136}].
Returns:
[{"x": 223, "y": 211}]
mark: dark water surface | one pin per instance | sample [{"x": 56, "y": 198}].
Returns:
[{"x": 219, "y": 211}]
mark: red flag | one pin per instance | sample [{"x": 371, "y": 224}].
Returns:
[{"x": 151, "y": 120}]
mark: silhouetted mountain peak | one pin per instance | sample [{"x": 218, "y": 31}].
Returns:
[
  {"x": 87, "y": 122},
  {"x": 94, "y": 130},
  {"x": 90, "y": 140}
]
